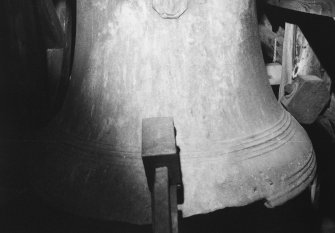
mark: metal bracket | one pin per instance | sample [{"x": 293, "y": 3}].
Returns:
[{"x": 161, "y": 161}]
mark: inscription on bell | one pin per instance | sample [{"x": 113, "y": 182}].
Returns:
[{"x": 170, "y": 9}]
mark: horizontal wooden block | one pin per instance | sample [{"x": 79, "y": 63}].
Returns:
[
  {"x": 158, "y": 136},
  {"x": 305, "y": 98},
  {"x": 159, "y": 148}
]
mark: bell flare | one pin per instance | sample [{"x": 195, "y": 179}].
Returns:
[{"x": 274, "y": 166}]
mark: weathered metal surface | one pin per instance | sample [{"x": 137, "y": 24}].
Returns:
[
  {"x": 289, "y": 57},
  {"x": 307, "y": 97},
  {"x": 204, "y": 69},
  {"x": 319, "y": 7}
]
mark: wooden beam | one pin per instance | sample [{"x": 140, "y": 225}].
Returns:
[
  {"x": 53, "y": 30},
  {"x": 288, "y": 57},
  {"x": 306, "y": 98},
  {"x": 299, "y": 59},
  {"x": 302, "y": 69},
  {"x": 162, "y": 167},
  {"x": 319, "y": 7},
  {"x": 161, "y": 219}
]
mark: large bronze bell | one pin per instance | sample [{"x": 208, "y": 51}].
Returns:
[{"x": 197, "y": 61}]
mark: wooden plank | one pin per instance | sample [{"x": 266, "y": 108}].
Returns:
[
  {"x": 309, "y": 95},
  {"x": 299, "y": 59},
  {"x": 319, "y": 7},
  {"x": 307, "y": 101},
  {"x": 159, "y": 148},
  {"x": 54, "y": 31},
  {"x": 158, "y": 136},
  {"x": 288, "y": 57},
  {"x": 160, "y": 201},
  {"x": 162, "y": 167},
  {"x": 174, "y": 208}
]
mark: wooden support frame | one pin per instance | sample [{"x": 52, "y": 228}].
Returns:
[
  {"x": 162, "y": 167},
  {"x": 302, "y": 69}
]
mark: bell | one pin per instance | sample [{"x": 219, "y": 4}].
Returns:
[{"x": 199, "y": 62}]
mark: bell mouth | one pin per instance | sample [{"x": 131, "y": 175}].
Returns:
[
  {"x": 274, "y": 168},
  {"x": 300, "y": 182}
]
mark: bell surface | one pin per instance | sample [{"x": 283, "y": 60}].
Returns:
[{"x": 205, "y": 69}]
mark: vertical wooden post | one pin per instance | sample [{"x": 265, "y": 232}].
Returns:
[
  {"x": 288, "y": 57},
  {"x": 162, "y": 167},
  {"x": 161, "y": 219}
]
